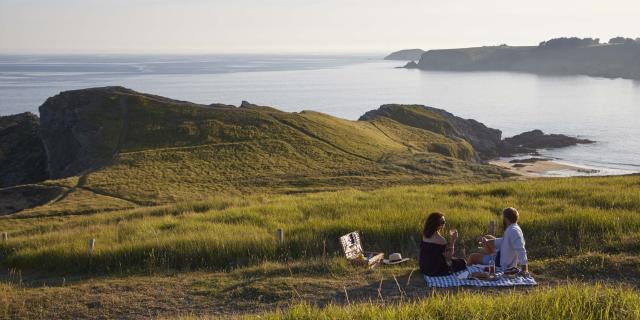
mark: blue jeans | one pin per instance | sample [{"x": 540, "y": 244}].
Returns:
[{"x": 486, "y": 259}]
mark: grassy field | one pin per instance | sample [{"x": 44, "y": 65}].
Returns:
[
  {"x": 586, "y": 230},
  {"x": 564, "y": 302},
  {"x": 560, "y": 217}
]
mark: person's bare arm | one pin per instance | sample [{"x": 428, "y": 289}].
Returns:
[{"x": 488, "y": 243}]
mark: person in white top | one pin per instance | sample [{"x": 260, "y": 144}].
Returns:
[
  {"x": 510, "y": 248},
  {"x": 511, "y": 245}
]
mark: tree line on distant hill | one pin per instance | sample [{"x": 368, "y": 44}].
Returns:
[{"x": 575, "y": 42}]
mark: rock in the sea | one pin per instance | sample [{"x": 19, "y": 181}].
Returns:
[
  {"x": 528, "y": 160},
  {"x": 22, "y": 155},
  {"x": 411, "y": 65},
  {"x": 536, "y": 139}
]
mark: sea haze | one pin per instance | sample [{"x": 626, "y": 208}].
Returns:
[{"x": 604, "y": 110}]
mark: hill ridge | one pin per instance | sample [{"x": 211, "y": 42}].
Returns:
[{"x": 139, "y": 149}]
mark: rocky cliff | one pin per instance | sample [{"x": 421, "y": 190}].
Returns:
[
  {"x": 486, "y": 141},
  {"x": 84, "y": 129},
  {"x": 81, "y": 129},
  {"x": 536, "y": 139},
  {"x": 22, "y": 156}
]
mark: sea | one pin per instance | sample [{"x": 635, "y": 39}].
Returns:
[{"x": 604, "y": 110}]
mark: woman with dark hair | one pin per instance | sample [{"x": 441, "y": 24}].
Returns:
[{"x": 436, "y": 254}]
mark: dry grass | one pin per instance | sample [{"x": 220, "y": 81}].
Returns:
[{"x": 560, "y": 217}]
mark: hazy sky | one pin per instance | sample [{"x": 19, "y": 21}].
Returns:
[{"x": 280, "y": 26}]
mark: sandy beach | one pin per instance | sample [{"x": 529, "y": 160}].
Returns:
[{"x": 543, "y": 168}]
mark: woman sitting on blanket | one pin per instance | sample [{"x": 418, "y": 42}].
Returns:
[{"x": 436, "y": 255}]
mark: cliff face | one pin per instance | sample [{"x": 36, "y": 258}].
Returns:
[
  {"x": 82, "y": 129},
  {"x": 22, "y": 156},
  {"x": 485, "y": 141}
]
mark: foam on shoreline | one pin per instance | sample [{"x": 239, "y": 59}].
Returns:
[{"x": 555, "y": 168}]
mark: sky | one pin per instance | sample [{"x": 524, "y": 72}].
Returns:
[{"x": 301, "y": 26}]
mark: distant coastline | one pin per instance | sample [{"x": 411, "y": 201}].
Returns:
[
  {"x": 618, "y": 58},
  {"x": 406, "y": 55}
]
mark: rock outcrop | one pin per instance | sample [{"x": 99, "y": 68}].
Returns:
[
  {"x": 411, "y": 65},
  {"x": 22, "y": 155},
  {"x": 536, "y": 139},
  {"x": 486, "y": 141},
  {"x": 81, "y": 129}
]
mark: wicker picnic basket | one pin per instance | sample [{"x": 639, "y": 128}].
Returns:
[{"x": 352, "y": 247}]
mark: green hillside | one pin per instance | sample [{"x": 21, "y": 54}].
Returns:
[{"x": 131, "y": 149}]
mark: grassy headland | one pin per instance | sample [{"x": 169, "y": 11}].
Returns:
[
  {"x": 183, "y": 202},
  {"x": 134, "y": 149}
]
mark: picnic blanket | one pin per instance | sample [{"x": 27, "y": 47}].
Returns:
[{"x": 453, "y": 280}]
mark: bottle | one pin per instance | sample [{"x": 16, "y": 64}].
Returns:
[{"x": 492, "y": 265}]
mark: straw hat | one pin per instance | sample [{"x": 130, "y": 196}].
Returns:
[{"x": 395, "y": 258}]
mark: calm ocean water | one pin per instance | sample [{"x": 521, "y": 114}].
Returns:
[{"x": 604, "y": 110}]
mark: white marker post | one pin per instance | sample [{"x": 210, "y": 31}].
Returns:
[{"x": 91, "y": 246}]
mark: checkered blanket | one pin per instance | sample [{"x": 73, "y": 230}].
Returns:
[{"x": 453, "y": 280}]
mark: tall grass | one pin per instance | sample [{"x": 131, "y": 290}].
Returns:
[
  {"x": 559, "y": 217},
  {"x": 563, "y": 302}
]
